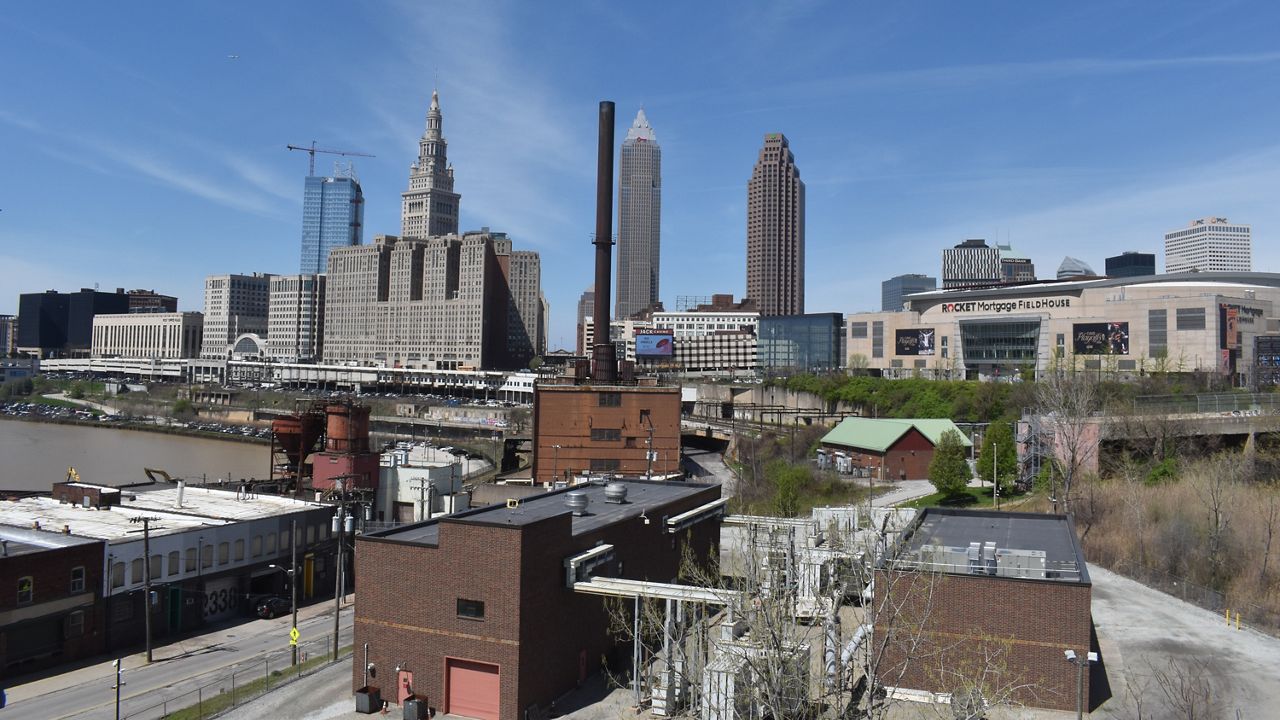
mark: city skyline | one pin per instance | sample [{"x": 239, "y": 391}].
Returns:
[{"x": 954, "y": 123}]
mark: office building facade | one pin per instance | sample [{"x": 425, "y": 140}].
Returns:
[
  {"x": 1131, "y": 264},
  {"x": 639, "y": 220},
  {"x": 586, "y": 304},
  {"x": 801, "y": 343},
  {"x": 1212, "y": 244},
  {"x": 147, "y": 335},
  {"x": 971, "y": 264},
  {"x": 894, "y": 290},
  {"x": 54, "y": 324},
  {"x": 525, "y": 337},
  {"x": 332, "y": 216},
  {"x": 775, "y": 230},
  {"x": 295, "y": 318},
  {"x": 148, "y": 301},
  {"x": 1014, "y": 266},
  {"x": 8, "y": 335},
  {"x": 429, "y": 208},
  {"x": 234, "y": 305},
  {"x": 439, "y": 303}
]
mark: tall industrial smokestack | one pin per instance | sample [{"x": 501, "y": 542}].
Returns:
[{"x": 604, "y": 363}]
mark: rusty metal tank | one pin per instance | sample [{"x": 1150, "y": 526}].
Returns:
[
  {"x": 348, "y": 429},
  {"x": 296, "y": 435}
]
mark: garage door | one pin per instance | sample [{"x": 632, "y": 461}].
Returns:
[{"x": 473, "y": 690}]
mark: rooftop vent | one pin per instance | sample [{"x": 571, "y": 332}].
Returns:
[
  {"x": 616, "y": 493},
  {"x": 577, "y": 502}
]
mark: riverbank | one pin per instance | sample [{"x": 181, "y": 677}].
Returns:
[{"x": 137, "y": 425}]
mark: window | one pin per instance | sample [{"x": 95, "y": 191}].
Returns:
[
  {"x": 1190, "y": 318},
  {"x": 224, "y": 553},
  {"x": 77, "y": 579},
  {"x": 191, "y": 559},
  {"x": 135, "y": 571},
  {"x": 284, "y": 539},
  {"x": 605, "y": 434},
  {"x": 117, "y": 575},
  {"x": 610, "y": 399},
  {"x": 75, "y": 624},
  {"x": 604, "y": 464},
  {"x": 26, "y": 590},
  {"x": 255, "y": 546},
  {"x": 311, "y": 534},
  {"x": 239, "y": 550},
  {"x": 473, "y": 609},
  {"x": 173, "y": 563},
  {"x": 857, "y": 330},
  {"x": 206, "y": 556},
  {"x": 271, "y": 543},
  {"x": 157, "y": 569}
]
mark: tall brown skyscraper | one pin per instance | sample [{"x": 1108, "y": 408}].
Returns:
[{"x": 775, "y": 230}]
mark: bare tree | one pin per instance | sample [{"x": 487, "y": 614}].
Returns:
[{"x": 1067, "y": 403}]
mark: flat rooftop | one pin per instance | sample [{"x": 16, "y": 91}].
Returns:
[
  {"x": 1054, "y": 535},
  {"x": 22, "y": 541},
  {"x": 201, "y": 507},
  {"x": 643, "y": 496}
]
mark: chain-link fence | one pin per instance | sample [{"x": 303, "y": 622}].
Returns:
[
  {"x": 1256, "y": 616},
  {"x": 235, "y": 686},
  {"x": 1250, "y": 403}
]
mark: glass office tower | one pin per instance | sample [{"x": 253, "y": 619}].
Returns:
[{"x": 332, "y": 216}]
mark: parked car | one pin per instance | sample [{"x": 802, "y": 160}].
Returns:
[{"x": 274, "y": 607}]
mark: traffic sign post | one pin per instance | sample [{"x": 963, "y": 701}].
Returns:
[{"x": 293, "y": 637}]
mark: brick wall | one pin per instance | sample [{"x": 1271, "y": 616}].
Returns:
[
  {"x": 939, "y": 631},
  {"x": 50, "y": 570},
  {"x": 565, "y": 416}
]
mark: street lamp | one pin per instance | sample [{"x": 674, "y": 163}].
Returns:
[
  {"x": 1080, "y": 663},
  {"x": 555, "y": 464}
]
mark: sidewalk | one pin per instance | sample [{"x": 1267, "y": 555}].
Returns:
[
  {"x": 105, "y": 669},
  {"x": 106, "y": 409}
]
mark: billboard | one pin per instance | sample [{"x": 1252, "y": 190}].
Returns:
[
  {"x": 1229, "y": 322},
  {"x": 914, "y": 342},
  {"x": 655, "y": 345},
  {"x": 1100, "y": 338}
]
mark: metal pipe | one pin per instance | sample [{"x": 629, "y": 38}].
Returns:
[{"x": 605, "y": 365}]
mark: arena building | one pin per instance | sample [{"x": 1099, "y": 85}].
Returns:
[{"x": 1188, "y": 322}]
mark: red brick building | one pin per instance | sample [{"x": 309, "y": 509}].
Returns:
[
  {"x": 474, "y": 612},
  {"x": 604, "y": 428},
  {"x": 985, "y": 599},
  {"x": 50, "y": 584},
  {"x": 892, "y": 449}
]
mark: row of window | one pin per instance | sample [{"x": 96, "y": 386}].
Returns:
[
  {"x": 226, "y": 553},
  {"x": 27, "y": 585}
]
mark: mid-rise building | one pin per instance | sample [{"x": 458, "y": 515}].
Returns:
[
  {"x": 524, "y": 322},
  {"x": 234, "y": 305},
  {"x": 440, "y": 303},
  {"x": 639, "y": 220},
  {"x": 775, "y": 230},
  {"x": 719, "y": 337},
  {"x": 147, "y": 301},
  {"x": 895, "y": 289},
  {"x": 295, "y": 318},
  {"x": 1131, "y": 264},
  {"x": 147, "y": 335},
  {"x": 54, "y": 324},
  {"x": 971, "y": 264},
  {"x": 332, "y": 216},
  {"x": 1014, "y": 266},
  {"x": 1074, "y": 268},
  {"x": 801, "y": 343},
  {"x": 1212, "y": 244},
  {"x": 429, "y": 208},
  {"x": 586, "y": 302},
  {"x": 8, "y": 335}
]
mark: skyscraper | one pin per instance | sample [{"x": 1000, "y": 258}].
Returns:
[
  {"x": 1131, "y": 263},
  {"x": 430, "y": 206},
  {"x": 775, "y": 231},
  {"x": 971, "y": 264},
  {"x": 585, "y": 304},
  {"x": 893, "y": 290},
  {"x": 639, "y": 219},
  {"x": 332, "y": 216},
  {"x": 1212, "y": 244},
  {"x": 233, "y": 305}
]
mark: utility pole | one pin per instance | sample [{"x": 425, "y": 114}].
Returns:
[
  {"x": 293, "y": 584},
  {"x": 118, "y": 685},
  {"x": 146, "y": 576},
  {"x": 339, "y": 522},
  {"x": 648, "y": 454}
]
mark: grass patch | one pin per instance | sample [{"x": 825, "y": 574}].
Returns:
[
  {"x": 972, "y": 497},
  {"x": 220, "y": 697}
]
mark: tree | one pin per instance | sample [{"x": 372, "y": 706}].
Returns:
[
  {"x": 536, "y": 362},
  {"x": 1066, "y": 403},
  {"x": 77, "y": 390},
  {"x": 949, "y": 471},
  {"x": 788, "y": 480},
  {"x": 183, "y": 409},
  {"x": 998, "y": 457}
]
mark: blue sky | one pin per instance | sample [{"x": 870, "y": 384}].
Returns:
[{"x": 140, "y": 155}]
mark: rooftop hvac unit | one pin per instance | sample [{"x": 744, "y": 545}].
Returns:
[
  {"x": 1020, "y": 563},
  {"x": 975, "y": 558},
  {"x": 616, "y": 493},
  {"x": 989, "y": 558},
  {"x": 577, "y": 502},
  {"x": 941, "y": 558}
]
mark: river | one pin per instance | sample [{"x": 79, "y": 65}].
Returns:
[{"x": 35, "y": 455}]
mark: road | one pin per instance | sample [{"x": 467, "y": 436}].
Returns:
[
  {"x": 709, "y": 466},
  {"x": 179, "y": 669}
]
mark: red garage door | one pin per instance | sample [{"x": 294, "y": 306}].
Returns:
[{"x": 472, "y": 690}]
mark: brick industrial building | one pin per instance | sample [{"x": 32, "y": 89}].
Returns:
[
  {"x": 890, "y": 449},
  {"x": 476, "y": 611},
  {"x": 605, "y": 428},
  {"x": 983, "y": 598}
]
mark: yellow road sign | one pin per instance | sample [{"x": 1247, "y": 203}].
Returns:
[{"x": 293, "y": 636}]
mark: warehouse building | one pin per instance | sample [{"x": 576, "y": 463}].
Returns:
[
  {"x": 478, "y": 613},
  {"x": 992, "y": 599},
  {"x": 1189, "y": 322},
  {"x": 897, "y": 449}
]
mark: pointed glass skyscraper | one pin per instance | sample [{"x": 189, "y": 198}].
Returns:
[
  {"x": 332, "y": 216},
  {"x": 639, "y": 219}
]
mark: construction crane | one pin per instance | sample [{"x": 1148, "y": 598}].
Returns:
[{"x": 311, "y": 168}]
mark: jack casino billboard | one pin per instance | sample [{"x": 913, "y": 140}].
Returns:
[
  {"x": 914, "y": 342},
  {"x": 655, "y": 345},
  {"x": 1100, "y": 338}
]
